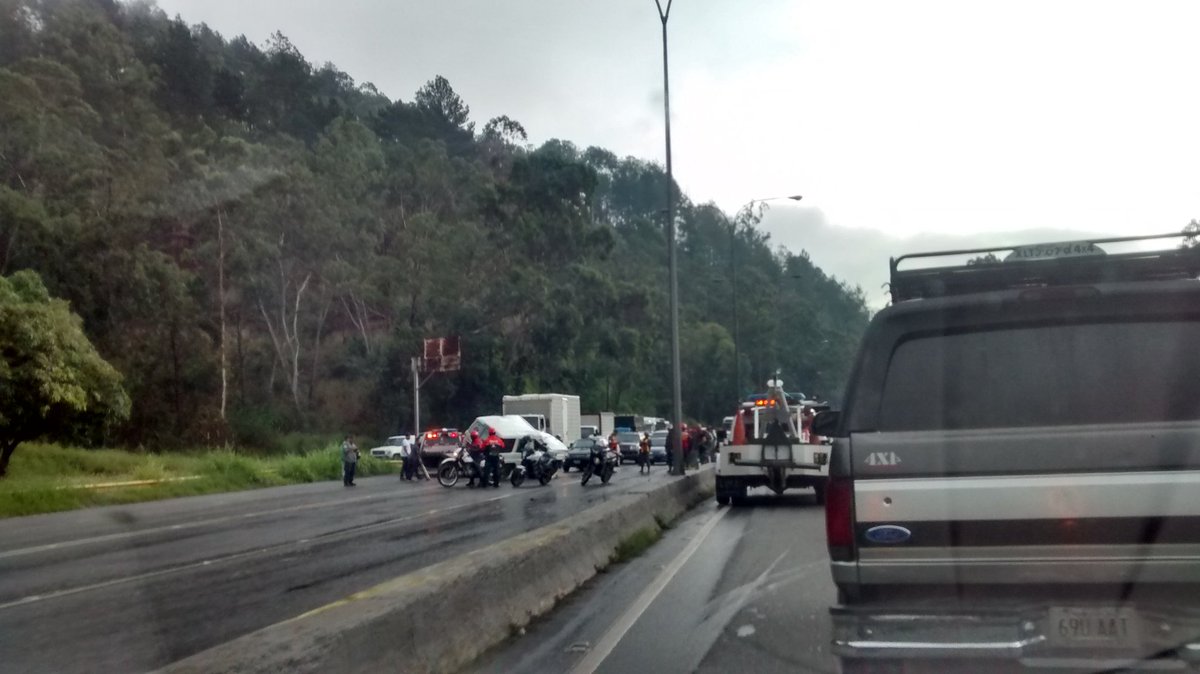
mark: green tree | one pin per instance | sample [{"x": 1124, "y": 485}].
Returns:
[
  {"x": 505, "y": 129},
  {"x": 187, "y": 76},
  {"x": 439, "y": 98},
  {"x": 52, "y": 381},
  {"x": 259, "y": 244}
]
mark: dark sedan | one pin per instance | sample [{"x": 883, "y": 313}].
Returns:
[
  {"x": 580, "y": 451},
  {"x": 627, "y": 443}
]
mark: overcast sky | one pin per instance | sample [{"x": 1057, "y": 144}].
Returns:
[{"x": 895, "y": 120}]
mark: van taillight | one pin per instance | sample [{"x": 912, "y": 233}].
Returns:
[{"x": 839, "y": 518}]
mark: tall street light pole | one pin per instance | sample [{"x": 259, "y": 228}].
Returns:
[
  {"x": 676, "y": 387},
  {"x": 737, "y": 354}
]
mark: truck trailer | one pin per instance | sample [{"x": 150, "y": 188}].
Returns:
[
  {"x": 553, "y": 413},
  {"x": 602, "y": 421}
]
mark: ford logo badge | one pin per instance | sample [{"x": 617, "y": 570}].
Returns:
[{"x": 888, "y": 534}]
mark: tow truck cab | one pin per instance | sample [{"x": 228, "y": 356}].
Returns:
[
  {"x": 1015, "y": 474},
  {"x": 772, "y": 446}
]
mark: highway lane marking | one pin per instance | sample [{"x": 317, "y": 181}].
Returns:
[
  {"x": 31, "y": 599},
  {"x": 106, "y": 538},
  {"x": 592, "y": 661}
]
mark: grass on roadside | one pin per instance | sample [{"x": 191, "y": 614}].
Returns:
[
  {"x": 50, "y": 478},
  {"x": 635, "y": 544}
]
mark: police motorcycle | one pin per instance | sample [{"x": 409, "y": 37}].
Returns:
[
  {"x": 457, "y": 465},
  {"x": 602, "y": 462},
  {"x": 535, "y": 462}
]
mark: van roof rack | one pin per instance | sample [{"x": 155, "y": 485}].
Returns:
[{"x": 1053, "y": 264}]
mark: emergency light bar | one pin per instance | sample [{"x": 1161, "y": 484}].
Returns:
[{"x": 1055, "y": 264}]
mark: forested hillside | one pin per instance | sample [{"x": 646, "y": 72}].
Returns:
[{"x": 258, "y": 244}]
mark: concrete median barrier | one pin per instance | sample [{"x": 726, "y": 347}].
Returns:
[{"x": 442, "y": 617}]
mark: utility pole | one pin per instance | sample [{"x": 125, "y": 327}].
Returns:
[
  {"x": 676, "y": 386},
  {"x": 417, "y": 433},
  {"x": 416, "y": 376}
]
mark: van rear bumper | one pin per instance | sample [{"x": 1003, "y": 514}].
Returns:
[{"x": 1166, "y": 636}]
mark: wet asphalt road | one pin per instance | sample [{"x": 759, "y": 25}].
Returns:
[
  {"x": 132, "y": 588},
  {"x": 738, "y": 590}
]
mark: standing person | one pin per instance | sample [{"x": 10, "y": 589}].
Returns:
[
  {"x": 696, "y": 446},
  {"x": 672, "y": 436},
  {"x": 644, "y": 454},
  {"x": 492, "y": 448},
  {"x": 475, "y": 449},
  {"x": 685, "y": 436},
  {"x": 709, "y": 445},
  {"x": 349, "y": 461},
  {"x": 407, "y": 469},
  {"x": 614, "y": 446}
]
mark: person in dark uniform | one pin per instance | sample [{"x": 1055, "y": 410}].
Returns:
[{"x": 349, "y": 461}]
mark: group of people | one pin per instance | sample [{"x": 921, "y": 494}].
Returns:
[
  {"x": 410, "y": 457},
  {"x": 643, "y": 456},
  {"x": 699, "y": 443},
  {"x": 411, "y": 468},
  {"x": 486, "y": 455}
]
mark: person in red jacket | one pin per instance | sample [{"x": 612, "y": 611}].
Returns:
[
  {"x": 475, "y": 449},
  {"x": 686, "y": 440},
  {"x": 492, "y": 447}
]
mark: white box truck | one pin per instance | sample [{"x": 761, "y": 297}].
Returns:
[
  {"x": 553, "y": 413},
  {"x": 602, "y": 422}
]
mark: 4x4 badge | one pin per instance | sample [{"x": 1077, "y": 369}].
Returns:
[{"x": 883, "y": 459}]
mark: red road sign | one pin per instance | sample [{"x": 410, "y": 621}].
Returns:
[{"x": 442, "y": 354}]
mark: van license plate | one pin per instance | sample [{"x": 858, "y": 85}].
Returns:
[{"x": 1094, "y": 627}]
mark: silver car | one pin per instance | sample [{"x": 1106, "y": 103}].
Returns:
[{"x": 658, "y": 447}]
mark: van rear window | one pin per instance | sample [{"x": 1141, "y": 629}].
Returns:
[{"x": 1045, "y": 376}]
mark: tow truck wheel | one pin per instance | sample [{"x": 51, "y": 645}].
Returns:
[
  {"x": 737, "y": 495},
  {"x": 819, "y": 492},
  {"x": 723, "y": 499}
]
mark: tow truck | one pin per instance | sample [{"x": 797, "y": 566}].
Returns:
[{"x": 772, "y": 446}]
